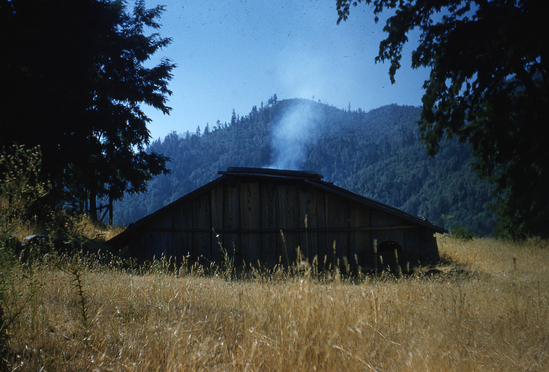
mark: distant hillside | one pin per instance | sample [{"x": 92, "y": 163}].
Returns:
[{"x": 377, "y": 154}]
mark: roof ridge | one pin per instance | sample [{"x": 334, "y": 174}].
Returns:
[{"x": 272, "y": 172}]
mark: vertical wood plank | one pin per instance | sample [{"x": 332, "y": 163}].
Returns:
[
  {"x": 202, "y": 241},
  {"x": 287, "y": 218},
  {"x": 137, "y": 247},
  {"x": 411, "y": 248},
  {"x": 250, "y": 219},
  {"x": 268, "y": 221},
  {"x": 411, "y": 242},
  {"x": 429, "y": 247},
  {"x": 337, "y": 213},
  {"x": 231, "y": 220},
  {"x": 217, "y": 221},
  {"x": 322, "y": 247},
  {"x": 308, "y": 217},
  {"x": 183, "y": 218},
  {"x": 159, "y": 243},
  {"x": 359, "y": 241},
  {"x": 177, "y": 243}
]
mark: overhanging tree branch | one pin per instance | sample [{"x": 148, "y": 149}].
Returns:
[{"x": 488, "y": 86}]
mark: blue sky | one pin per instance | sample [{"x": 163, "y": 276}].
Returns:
[{"x": 234, "y": 54}]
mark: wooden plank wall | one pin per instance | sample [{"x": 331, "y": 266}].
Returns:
[
  {"x": 158, "y": 244},
  {"x": 252, "y": 205},
  {"x": 428, "y": 246},
  {"x": 384, "y": 219}
]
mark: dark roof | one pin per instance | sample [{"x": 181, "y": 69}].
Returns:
[{"x": 309, "y": 177}]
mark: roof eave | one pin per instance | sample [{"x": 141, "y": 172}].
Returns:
[{"x": 378, "y": 205}]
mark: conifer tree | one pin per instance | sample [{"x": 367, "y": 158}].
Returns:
[{"x": 72, "y": 80}]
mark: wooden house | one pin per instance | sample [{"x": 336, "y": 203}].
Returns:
[{"x": 275, "y": 216}]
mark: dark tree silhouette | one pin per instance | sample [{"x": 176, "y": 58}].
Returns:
[
  {"x": 488, "y": 86},
  {"x": 72, "y": 80}
]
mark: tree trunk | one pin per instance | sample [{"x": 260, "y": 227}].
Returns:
[
  {"x": 93, "y": 205},
  {"x": 110, "y": 210}
]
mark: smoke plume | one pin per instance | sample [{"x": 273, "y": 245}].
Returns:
[{"x": 299, "y": 127}]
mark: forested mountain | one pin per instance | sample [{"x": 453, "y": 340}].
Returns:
[{"x": 377, "y": 154}]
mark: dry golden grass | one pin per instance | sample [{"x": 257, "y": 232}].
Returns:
[
  {"x": 80, "y": 227},
  {"x": 494, "y": 317}
]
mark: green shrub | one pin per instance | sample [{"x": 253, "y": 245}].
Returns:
[{"x": 460, "y": 232}]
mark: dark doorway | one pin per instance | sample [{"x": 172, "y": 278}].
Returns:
[{"x": 389, "y": 246}]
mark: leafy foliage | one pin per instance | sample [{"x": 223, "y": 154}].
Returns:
[
  {"x": 73, "y": 79},
  {"x": 19, "y": 189},
  {"x": 376, "y": 154},
  {"x": 20, "y": 186},
  {"x": 488, "y": 86}
]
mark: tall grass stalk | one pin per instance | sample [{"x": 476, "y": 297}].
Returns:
[{"x": 77, "y": 280}]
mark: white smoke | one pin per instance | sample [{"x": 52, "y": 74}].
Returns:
[{"x": 299, "y": 127}]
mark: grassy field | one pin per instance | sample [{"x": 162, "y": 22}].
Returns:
[{"x": 487, "y": 310}]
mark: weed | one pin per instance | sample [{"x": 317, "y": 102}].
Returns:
[
  {"x": 227, "y": 263},
  {"x": 77, "y": 280}
]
